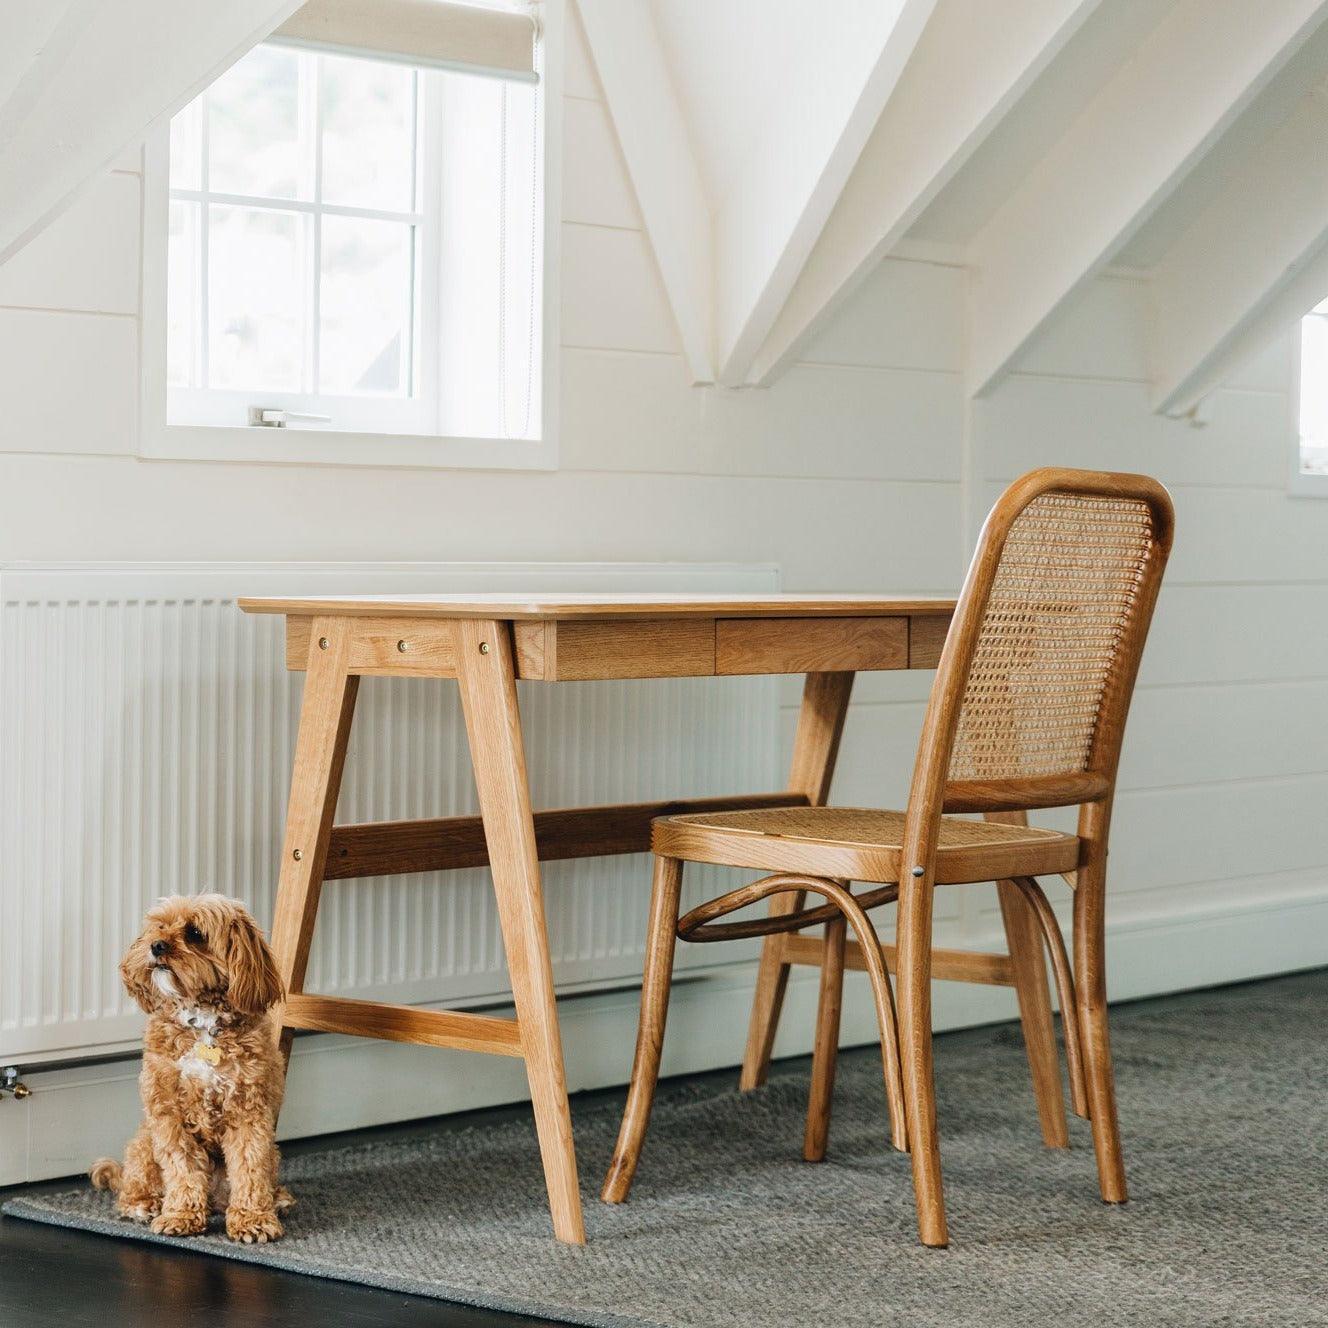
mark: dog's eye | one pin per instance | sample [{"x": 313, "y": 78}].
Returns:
[{"x": 193, "y": 935}]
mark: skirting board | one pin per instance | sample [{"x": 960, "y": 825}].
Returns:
[{"x": 75, "y": 1115}]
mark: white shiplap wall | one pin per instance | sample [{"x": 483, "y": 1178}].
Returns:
[
  {"x": 862, "y": 468},
  {"x": 1225, "y": 765}
]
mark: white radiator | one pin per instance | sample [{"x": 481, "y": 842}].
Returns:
[{"x": 146, "y": 729}]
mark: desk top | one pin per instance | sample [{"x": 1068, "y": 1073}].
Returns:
[{"x": 545, "y": 605}]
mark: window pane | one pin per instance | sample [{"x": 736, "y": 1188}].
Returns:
[
  {"x": 187, "y": 147},
  {"x": 256, "y": 298},
  {"x": 1314, "y": 395},
  {"x": 254, "y": 127},
  {"x": 368, "y": 134},
  {"x": 182, "y": 291},
  {"x": 366, "y": 303}
]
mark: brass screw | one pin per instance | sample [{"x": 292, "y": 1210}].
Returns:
[
  {"x": 322, "y": 643},
  {"x": 21, "y": 1091},
  {"x": 401, "y": 646},
  {"x": 298, "y": 855},
  {"x": 484, "y": 647}
]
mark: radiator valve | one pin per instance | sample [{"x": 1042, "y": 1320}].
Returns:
[{"x": 12, "y": 1084}]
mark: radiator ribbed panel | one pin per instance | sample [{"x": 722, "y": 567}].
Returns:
[{"x": 146, "y": 731}]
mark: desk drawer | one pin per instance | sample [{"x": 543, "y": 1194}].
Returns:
[
  {"x": 572, "y": 651},
  {"x": 810, "y": 645}
]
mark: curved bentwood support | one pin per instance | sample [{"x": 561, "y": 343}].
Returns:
[{"x": 699, "y": 925}]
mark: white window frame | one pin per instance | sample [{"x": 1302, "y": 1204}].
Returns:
[
  {"x": 160, "y": 440},
  {"x": 1301, "y": 484},
  {"x": 214, "y": 407}
]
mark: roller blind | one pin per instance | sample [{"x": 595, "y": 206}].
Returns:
[{"x": 423, "y": 32}]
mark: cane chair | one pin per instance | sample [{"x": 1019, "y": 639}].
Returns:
[{"x": 1027, "y": 711}]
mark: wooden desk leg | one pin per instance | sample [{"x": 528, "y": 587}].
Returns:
[
  {"x": 488, "y": 697},
  {"x": 320, "y": 757},
  {"x": 820, "y": 726}
]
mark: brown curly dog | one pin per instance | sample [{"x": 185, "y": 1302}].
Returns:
[{"x": 212, "y": 1075}]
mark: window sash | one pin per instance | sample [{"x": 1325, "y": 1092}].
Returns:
[{"x": 415, "y": 412}]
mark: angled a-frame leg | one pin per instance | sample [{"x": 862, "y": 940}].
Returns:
[
  {"x": 320, "y": 757},
  {"x": 486, "y": 672}
]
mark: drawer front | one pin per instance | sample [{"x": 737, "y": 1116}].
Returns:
[
  {"x": 810, "y": 645},
  {"x": 572, "y": 651}
]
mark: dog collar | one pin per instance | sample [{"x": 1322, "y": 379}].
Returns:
[
  {"x": 206, "y": 1051},
  {"x": 204, "y": 1023}
]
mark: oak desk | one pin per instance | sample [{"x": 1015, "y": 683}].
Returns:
[{"x": 486, "y": 643}]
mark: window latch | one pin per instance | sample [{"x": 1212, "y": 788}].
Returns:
[{"x": 269, "y": 417}]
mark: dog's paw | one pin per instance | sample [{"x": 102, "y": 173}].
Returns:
[
  {"x": 180, "y": 1222},
  {"x": 141, "y": 1209},
  {"x": 285, "y": 1200},
  {"x": 251, "y": 1226}
]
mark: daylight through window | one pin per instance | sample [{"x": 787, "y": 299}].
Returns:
[
  {"x": 356, "y": 243},
  {"x": 1314, "y": 392}
]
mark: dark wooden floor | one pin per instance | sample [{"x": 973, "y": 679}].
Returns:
[{"x": 53, "y": 1278}]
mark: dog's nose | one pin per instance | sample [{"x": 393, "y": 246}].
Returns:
[{"x": 159, "y": 948}]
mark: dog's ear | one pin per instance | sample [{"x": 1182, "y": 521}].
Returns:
[
  {"x": 136, "y": 974},
  {"x": 254, "y": 985}
]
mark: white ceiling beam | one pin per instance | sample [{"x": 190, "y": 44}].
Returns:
[
  {"x": 104, "y": 76},
  {"x": 778, "y": 202},
  {"x": 653, "y": 135},
  {"x": 1118, "y": 162},
  {"x": 972, "y": 64},
  {"x": 1254, "y": 261}
]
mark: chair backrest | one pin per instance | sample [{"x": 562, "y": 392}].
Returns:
[{"x": 1028, "y": 709}]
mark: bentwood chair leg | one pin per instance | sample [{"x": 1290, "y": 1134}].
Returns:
[
  {"x": 913, "y": 948},
  {"x": 1028, "y": 961},
  {"x": 772, "y": 975},
  {"x": 1060, "y": 966},
  {"x": 660, "y": 942},
  {"x": 815, "y": 747},
  {"x": 1023, "y": 937},
  {"x": 825, "y": 1050},
  {"x": 1091, "y": 990}
]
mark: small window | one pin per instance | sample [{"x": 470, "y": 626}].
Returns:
[
  {"x": 1313, "y": 432},
  {"x": 353, "y": 245}
]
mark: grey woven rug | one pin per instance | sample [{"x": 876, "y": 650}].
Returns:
[{"x": 1224, "y": 1098}]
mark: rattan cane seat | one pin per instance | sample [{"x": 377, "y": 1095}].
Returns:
[{"x": 860, "y": 844}]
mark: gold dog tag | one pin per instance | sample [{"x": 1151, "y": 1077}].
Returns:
[{"x": 208, "y": 1053}]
